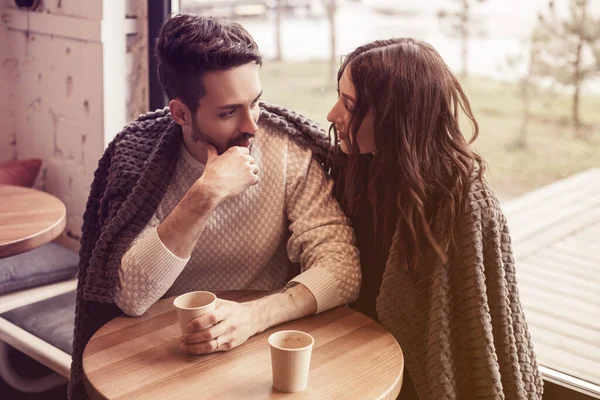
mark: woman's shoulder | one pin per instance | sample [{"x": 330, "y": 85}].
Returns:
[
  {"x": 482, "y": 201},
  {"x": 482, "y": 220}
]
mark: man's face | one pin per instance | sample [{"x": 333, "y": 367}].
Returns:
[{"x": 228, "y": 111}]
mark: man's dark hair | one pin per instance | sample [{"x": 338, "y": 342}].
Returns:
[{"x": 190, "y": 46}]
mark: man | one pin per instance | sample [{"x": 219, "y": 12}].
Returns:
[{"x": 209, "y": 197}]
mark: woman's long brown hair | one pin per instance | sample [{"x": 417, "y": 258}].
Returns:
[{"x": 423, "y": 167}]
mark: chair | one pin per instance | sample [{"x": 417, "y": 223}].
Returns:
[{"x": 37, "y": 309}]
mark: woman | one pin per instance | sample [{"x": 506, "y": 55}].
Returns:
[{"x": 438, "y": 270}]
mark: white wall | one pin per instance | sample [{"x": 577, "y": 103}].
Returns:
[
  {"x": 8, "y": 71},
  {"x": 137, "y": 60},
  {"x": 65, "y": 94}
]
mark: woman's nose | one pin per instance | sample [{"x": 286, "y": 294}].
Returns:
[{"x": 333, "y": 116}]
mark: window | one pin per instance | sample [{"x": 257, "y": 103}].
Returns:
[{"x": 538, "y": 124}]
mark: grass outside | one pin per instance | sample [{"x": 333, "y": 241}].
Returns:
[{"x": 552, "y": 152}]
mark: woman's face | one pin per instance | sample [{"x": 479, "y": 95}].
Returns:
[{"x": 340, "y": 116}]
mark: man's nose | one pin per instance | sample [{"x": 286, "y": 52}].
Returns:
[{"x": 248, "y": 124}]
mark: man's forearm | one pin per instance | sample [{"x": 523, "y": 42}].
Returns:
[
  {"x": 182, "y": 228},
  {"x": 295, "y": 302}
]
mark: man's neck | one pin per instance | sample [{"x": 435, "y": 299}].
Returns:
[{"x": 195, "y": 150}]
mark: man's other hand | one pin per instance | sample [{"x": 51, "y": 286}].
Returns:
[{"x": 229, "y": 326}]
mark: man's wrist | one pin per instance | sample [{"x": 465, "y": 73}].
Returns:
[
  {"x": 205, "y": 195},
  {"x": 294, "y": 302},
  {"x": 257, "y": 317}
]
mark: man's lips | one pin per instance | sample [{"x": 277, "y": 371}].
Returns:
[{"x": 244, "y": 141}]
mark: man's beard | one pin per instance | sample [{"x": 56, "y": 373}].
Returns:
[{"x": 197, "y": 134}]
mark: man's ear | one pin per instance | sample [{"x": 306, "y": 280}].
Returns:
[{"x": 180, "y": 112}]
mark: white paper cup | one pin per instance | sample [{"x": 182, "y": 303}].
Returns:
[
  {"x": 290, "y": 359},
  {"x": 191, "y": 305}
]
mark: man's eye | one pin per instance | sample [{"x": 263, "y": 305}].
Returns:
[{"x": 227, "y": 114}]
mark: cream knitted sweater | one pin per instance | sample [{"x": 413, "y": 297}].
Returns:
[{"x": 287, "y": 227}]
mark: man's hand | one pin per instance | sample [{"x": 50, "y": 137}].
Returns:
[
  {"x": 231, "y": 324},
  {"x": 229, "y": 174},
  {"x": 224, "y": 176}
]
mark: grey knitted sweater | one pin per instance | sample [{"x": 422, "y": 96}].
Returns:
[{"x": 461, "y": 325}]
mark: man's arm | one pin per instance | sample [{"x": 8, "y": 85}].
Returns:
[
  {"x": 231, "y": 324},
  {"x": 182, "y": 228},
  {"x": 296, "y": 301},
  {"x": 159, "y": 254},
  {"x": 147, "y": 271},
  {"x": 157, "y": 257},
  {"x": 322, "y": 241},
  {"x": 224, "y": 177}
]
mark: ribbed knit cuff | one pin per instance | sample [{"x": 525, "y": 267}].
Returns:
[
  {"x": 158, "y": 263},
  {"x": 322, "y": 285}
]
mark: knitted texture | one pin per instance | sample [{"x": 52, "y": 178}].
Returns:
[
  {"x": 128, "y": 186},
  {"x": 461, "y": 325},
  {"x": 254, "y": 241}
]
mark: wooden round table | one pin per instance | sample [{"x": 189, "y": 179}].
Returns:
[
  {"x": 139, "y": 358},
  {"x": 29, "y": 218}
]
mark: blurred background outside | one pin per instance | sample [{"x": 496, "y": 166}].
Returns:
[
  {"x": 74, "y": 72},
  {"x": 539, "y": 120}
]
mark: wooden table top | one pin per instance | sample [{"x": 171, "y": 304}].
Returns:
[
  {"x": 29, "y": 218},
  {"x": 139, "y": 358}
]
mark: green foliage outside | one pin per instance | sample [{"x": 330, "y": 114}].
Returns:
[
  {"x": 568, "y": 50},
  {"x": 552, "y": 152}
]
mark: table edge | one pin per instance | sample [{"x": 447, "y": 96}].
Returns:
[{"x": 15, "y": 247}]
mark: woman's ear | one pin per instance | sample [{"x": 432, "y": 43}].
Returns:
[{"x": 180, "y": 112}]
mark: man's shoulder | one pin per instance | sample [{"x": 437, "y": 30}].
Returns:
[
  {"x": 151, "y": 125},
  {"x": 277, "y": 136},
  {"x": 291, "y": 156},
  {"x": 291, "y": 127},
  {"x": 146, "y": 131},
  {"x": 277, "y": 147}
]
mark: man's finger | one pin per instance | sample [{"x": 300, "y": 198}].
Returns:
[
  {"x": 199, "y": 348},
  {"x": 205, "y": 335},
  {"x": 207, "y": 320},
  {"x": 225, "y": 343},
  {"x": 243, "y": 150}
]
